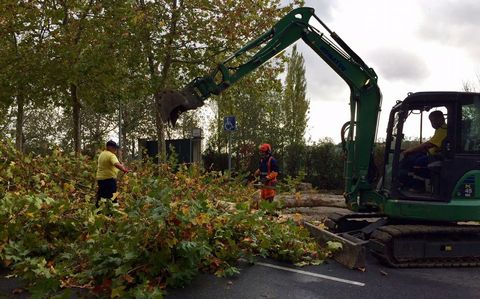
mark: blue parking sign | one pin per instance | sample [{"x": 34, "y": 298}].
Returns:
[{"x": 229, "y": 123}]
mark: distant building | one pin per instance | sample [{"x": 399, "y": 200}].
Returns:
[{"x": 188, "y": 150}]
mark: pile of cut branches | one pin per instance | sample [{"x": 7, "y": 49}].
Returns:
[{"x": 166, "y": 228}]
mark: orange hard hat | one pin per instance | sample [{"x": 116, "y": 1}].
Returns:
[{"x": 265, "y": 147}]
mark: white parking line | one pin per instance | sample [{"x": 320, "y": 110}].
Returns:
[{"x": 312, "y": 274}]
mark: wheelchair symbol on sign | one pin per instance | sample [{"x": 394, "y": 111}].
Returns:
[{"x": 229, "y": 123}]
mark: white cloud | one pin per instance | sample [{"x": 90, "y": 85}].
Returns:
[
  {"x": 453, "y": 22},
  {"x": 398, "y": 64},
  {"x": 322, "y": 82},
  {"x": 413, "y": 45}
]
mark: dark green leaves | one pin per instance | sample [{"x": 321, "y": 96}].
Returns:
[{"x": 165, "y": 229}]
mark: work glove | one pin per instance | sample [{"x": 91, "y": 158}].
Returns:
[{"x": 273, "y": 175}]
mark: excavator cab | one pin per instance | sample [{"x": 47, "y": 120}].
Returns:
[
  {"x": 431, "y": 227},
  {"x": 454, "y": 172}
]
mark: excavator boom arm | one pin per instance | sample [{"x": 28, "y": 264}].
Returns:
[{"x": 365, "y": 96}]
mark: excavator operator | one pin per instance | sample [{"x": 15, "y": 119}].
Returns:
[
  {"x": 267, "y": 171},
  {"x": 416, "y": 158}
]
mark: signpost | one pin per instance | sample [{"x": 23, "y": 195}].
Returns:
[{"x": 229, "y": 125}]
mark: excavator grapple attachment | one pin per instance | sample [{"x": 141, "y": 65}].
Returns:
[
  {"x": 175, "y": 102},
  {"x": 353, "y": 252}
]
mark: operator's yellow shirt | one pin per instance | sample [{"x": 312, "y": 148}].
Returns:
[
  {"x": 437, "y": 140},
  {"x": 106, "y": 165}
]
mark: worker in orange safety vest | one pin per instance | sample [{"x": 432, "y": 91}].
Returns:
[{"x": 267, "y": 171}]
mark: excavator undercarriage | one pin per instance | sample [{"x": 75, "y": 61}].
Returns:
[
  {"x": 400, "y": 243},
  {"x": 405, "y": 246}
]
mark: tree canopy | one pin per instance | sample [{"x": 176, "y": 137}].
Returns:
[{"x": 76, "y": 66}]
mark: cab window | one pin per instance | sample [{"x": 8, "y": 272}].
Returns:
[{"x": 470, "y": 127}]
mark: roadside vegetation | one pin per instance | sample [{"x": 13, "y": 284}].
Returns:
[
  {"x": 76, "y": 73},
  {"x": 167, "y": 227}
]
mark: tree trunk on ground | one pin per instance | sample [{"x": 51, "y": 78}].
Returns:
[{"x": 311, "y": 199}]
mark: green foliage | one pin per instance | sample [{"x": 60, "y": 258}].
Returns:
[
  {"x": 334, "y": 245},
  {"x": 257, "y": 111},
  {"x": 295, "y": 158},
  {"x": 295, "y": 103},
  {"x": 269, "y": 112},
  {"x": 290, "y": 184},
  {"x": 324, "y": 168},
  {"x": 165, "y": 229},
  {"x": 214, "y": 160},
  {"x": 379, "y": 158},
  {"x": 86, "y": 59},
  {"x": 172, "y": 156},
  {"x": 320, "y": 164}
]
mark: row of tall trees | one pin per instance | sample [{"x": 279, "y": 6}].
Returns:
[
  {"x": 275, "y": 112},
  {"x": 70, "y": 67}
]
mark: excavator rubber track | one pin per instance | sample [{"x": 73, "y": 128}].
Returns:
[{"x": 410, "y": 246}]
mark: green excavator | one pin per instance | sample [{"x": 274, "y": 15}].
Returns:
[{"x": 435, "y": 227}]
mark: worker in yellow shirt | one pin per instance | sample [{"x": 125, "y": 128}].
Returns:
[
  {"x": 107, "y": 169},
  {"x": 432, "y": 146},
  {"x": 416, "y": 158}
]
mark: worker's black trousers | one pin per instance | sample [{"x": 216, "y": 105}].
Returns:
[{"x": 106, "y": 188}]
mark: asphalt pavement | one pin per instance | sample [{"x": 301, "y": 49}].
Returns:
[
  {"x": 11, "y": 287},
  {"x": 271, "y": 279}
]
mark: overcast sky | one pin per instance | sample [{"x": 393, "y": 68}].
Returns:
[{"x": 413, "y": 45}]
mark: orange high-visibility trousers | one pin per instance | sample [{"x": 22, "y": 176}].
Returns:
[{"x": 268, "y": 194}]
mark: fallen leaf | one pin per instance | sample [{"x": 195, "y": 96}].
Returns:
[
  {"x": 128, "y": 278},
  {"x": 297, "y": 217}
]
